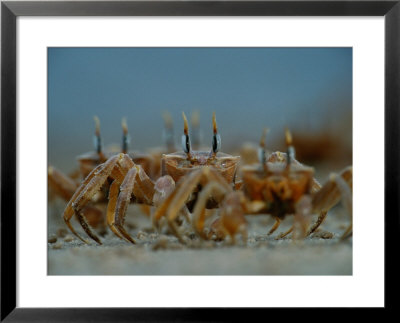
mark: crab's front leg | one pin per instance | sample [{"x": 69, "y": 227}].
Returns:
[
  {"x": 339, "y": 187},
  {"x": 174, "y": 199},
  {"x": 302, "y": 217},
  {"x": 199, "y": 212},
  {"x": 124, "y": 197},
  {"x": 84, "y": 193},
  {"x": 216, "y": 185},
  {"x": 136, "y": 182},
  {"x": 63, "y": 185},
  {"x": 275, "y": 226},
  {"x": 164, "y": 194},
  {"x": 232, "y": 215},
  {"x": 112, "y": 203}
]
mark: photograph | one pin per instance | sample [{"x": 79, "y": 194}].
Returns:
[{"x": 200, "y": 160}]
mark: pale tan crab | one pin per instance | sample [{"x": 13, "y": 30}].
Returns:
[
  {"x": 194, "y": 172},
  {"x": 107, "y": 175},
  {"x": 281, "y": 186}
]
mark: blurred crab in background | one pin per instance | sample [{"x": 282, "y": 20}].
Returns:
[{"x": 280, "y": 186}]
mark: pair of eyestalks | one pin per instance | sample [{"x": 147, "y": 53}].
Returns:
[
  {"x": 186, "y": 144},
  {"x": 98, "y": 146},
  {"x": 290, "y": 151}
]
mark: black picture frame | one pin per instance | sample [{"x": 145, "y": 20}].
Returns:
[{"x": 10, "y": 10}]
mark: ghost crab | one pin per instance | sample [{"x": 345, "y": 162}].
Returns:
[
  {"x": 126, "y": 178},
  {"x": 280, "y": 185},
  {"x": 201, "y": 176},
  {"x": 104, "y": 173}
]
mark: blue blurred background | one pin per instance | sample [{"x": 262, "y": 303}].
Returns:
[{"x": 306, "y": 89}]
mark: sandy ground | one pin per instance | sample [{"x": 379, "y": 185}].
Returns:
[{"x": 161, "y": 253}]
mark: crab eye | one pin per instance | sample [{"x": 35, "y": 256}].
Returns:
[
  {"x": 126, "y": 139},
  {"x": 216, "y": 143},
  {"x": 97, "y": 138},
  {"x": 290, "y": 149},
  {"x": 290, "y": 154},
  {"x": 261, "y": 156},
  {"x": 186, "y": 143},
  {"x": 97, "y": 144}
]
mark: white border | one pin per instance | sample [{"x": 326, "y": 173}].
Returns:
[{"x": 364, "y": 288}]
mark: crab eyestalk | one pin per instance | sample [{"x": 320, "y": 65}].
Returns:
[
  {"x": 97, "y": 138},
  {"x": 168, "y": 133},
  {"x": 125, "y": 136},
  {"x": 261, "y": 150},
  {"x": 216, "y": 141},
  {"x": 290, "y": 149},
  {"x": 185, "y": 138}
]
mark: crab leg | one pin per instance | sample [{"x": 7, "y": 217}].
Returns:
[
  {"x": 232, "y": 215},
  {"x": 180, "y": 197},
  {"x": 163, "y": 188},
  {"x": 302, "y": 216},
  {"x": 199, "y": 209},
  {"x": 315, "y": 187},
  {"x": 338, "y": 186},
  {"x": 347, "y": 201},
  {"x": 187, "y": 188},
  {"x": 173, "y": 204},
  {"x": 275, "y": 226},
  {"x": 62, "y": 184},
  {"x": 162, "y": 208},
  {"x": 317, "y": 223},
  {"x": 329, "y": 195},
  {"x": 123, "y": 201},
  {"x": 112, "y": 196},
  {"x": 284, "y": 234},
  {"x": 69, "y": 211},
  {"x": 90, "y": 190},
  {"x": 85, "y": 192},
  {"x": 144, "y": 190}
]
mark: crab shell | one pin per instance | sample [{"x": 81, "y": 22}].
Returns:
[
  {"x": 89, "y": 161},
  {"x": 176, "y": 164},
  {"x": 145, "y": 160},
  {"x": 299, "y": 178}
]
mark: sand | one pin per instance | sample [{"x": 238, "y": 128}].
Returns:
[{"x": 323, "y": 253}]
